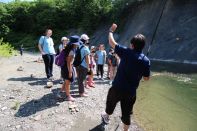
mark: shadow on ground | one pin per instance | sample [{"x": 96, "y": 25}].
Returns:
[
  {"x": 99, "y": 127},
  {"x": 36, "y": 105},
  {"x": 33, "y": 81}
]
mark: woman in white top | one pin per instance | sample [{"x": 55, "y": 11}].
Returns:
[
  {"x": 62, "y": 46},
  {"x": 64, "y": 41}
]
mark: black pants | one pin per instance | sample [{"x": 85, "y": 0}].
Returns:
[
  {"x": 48, "y": 61},
  {"x": 126, "y": 102},
  {"x": 100, "y": 70}
]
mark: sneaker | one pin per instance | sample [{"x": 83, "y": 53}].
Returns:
[
  {"x": 105, "y": 118},
  {"x": 70, "y": 98}
]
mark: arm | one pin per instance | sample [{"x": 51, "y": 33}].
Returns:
[
  {"x": 69, "y": 65},
  {"x": 87, "y": 59},
  {"x": 112, "y": 42},
  {"x": 40, "y": 49},
  {"x": 41, "y": 42}
]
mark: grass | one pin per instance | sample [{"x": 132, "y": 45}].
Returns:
[{"x": 168, "y": 103}]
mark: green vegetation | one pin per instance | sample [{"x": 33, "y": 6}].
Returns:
[
  {"x": 22, "y": 22},
  {"x": 6, "y": 49},
  {"x": 167, "y": 103}
]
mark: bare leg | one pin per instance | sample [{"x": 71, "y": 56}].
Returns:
[
  {"x": 126, "y": 127},
  {"x": 67, "y": 87}
]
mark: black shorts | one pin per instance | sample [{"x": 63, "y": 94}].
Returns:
[
  {"x": 65, "y": 74},
  {"x": 127, "y": 101}
]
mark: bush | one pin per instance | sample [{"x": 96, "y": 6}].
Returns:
[{"x": 6, "y": 49}]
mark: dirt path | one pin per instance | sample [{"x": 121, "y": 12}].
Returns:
[{"x": 25, "y": 105}]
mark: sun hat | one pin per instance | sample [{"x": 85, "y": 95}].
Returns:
[{"x": 74, "y": 40}]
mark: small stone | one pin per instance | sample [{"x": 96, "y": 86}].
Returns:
[
  {"x": 37, "y": 118},
  {"x": 18, "y": 126},
  {"x": 20, "y": 68},
  {"x": 4, "y": 108},
  {"x": 11, "y": 97},
  {"x": 4, "y": 95}
]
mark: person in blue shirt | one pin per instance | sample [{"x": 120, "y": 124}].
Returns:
[
  {"x": 83, "y": 68},
  {"x": 101, "y": 59},
  {"x": 134, "y": 66},
  {"x": 46, "y": 47}
]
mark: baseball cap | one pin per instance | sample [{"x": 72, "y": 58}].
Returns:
[
  {"x": 64, "y": 38},
  {"x": 84, "y": 37},
  {"x": 92, "y": 47}
]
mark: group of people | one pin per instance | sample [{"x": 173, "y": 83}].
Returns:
[
  {"x": 126, "y": 67},
  {"x": 92, "y": 62}
]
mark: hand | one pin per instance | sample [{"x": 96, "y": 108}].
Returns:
[
  {"x": 70, "y": 74},
  {"x": 113, "y": 27}
]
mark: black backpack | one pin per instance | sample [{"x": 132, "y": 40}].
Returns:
[{"x": 78, "y": 60}]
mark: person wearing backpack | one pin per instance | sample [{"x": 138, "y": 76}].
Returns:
[
  {"x": 134, "y": 66},
  {"x": 46, "y": 47},
  {"x": 67, "y": 70},
  {"x": 83, "y": 68}
]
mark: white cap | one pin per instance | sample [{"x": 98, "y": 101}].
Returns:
[
  {"x": 92, "y": 47},
  {"x": 64, "y": 38},
  {"x": 84, "y": 37}
]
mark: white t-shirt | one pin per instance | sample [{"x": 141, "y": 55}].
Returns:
[{"x": 71, "y": 53}]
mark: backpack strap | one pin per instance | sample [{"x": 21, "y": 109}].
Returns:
[{"x": 80, "y": 52}]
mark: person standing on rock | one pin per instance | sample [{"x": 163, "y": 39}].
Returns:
[
  {"x": 133, "y": 66},
  {"x": 46, "y": 47}
]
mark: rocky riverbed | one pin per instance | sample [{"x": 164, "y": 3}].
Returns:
[{"x": 26, "y": 105}]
